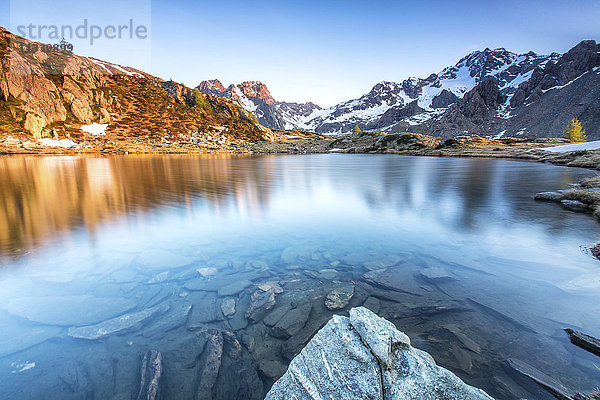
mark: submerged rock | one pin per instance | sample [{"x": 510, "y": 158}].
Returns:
[
  {"x": 372, "y": 304},
  {"x": 151, "y": 373},
  {"x": 271, "y": 368},
  {"x": 278, "y": 312},
  {"x": 211, "y": 363},
  {"x": 207, "y": 271},
  {"x": 122, "y": 324},
  {"x": 574, "y": 205},
  {"x": 271, "y": 285},
  {"x": 436, "y": 274},
  {"x": 68, "y": 310},
  {"x": 339, "y": 297},
  {"x": 261, "y": 303},
  {"x": 228, "y": 307},
  {"x": 292, "y": 322},
  {"x": 366, "y": 357},
  {"x": 388, "y": 278},
  {"x": 234, "y": 288},
  {"x": 206, "y": 309},
  {"x": 548, "y": 196}
]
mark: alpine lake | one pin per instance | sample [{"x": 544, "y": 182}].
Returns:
[{"x": 227, "y": 265}]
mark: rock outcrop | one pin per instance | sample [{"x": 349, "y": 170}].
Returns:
[
  {"x": 366, "y": 357},
  {"x": 254, "y": 96}
]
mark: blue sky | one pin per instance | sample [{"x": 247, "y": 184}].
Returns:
[{"x": 320, "y": 51}]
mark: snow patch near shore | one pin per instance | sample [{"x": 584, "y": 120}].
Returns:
[
  {"x": 65, "y": 143},
  {"x": 94, "y": 128},
  {"x": 574, "y": 147}
]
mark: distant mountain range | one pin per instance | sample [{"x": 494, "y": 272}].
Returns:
[{"x": 491, "y": 92}]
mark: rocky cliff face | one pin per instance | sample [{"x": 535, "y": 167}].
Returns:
[
  {"x": 541, "y": 106},
  {"x": 366, "y": 357},
  {"x": 255, "y": 97},
  {"x": 52, "y": 93}
]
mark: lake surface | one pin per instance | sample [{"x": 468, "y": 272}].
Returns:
[{"x": 102, "y": 259}]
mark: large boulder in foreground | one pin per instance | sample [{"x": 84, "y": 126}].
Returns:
[{"x": 366, "y": 357}]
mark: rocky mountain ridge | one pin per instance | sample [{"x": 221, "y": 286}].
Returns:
[
  {"x": 255, "y": 97},
  {"x": 57, "y": 94}
]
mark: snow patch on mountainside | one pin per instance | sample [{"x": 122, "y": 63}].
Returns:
[
  {"x": 595, "y": 145},
  {"x": 413, "y": 101},
  {"x": 392, "y": 106},
  {"x": 110, "y": 68}
]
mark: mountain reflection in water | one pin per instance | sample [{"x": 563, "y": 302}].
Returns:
[{"x": 453, "y": 251}]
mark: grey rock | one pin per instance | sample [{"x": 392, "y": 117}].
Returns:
[
  {"x": 366, "y": 357},
  {"x": 228, "y": 307},
  {"x": 327, "y": 273},
  {"x": 221, "y": 282},
  {"x": 292, "y": 322},
  {"x": 551, "y": 385},
  {"x": 75, "y": 377},
  {"x": 388, "y": 278},
  {"x": 234, "y": 288},
  {"x": 159, "y": 278},
  {"x": 210, "y": 364},
  {"x": 334, "y": 364},
  {"x": 295, "y": 254},
  {"x": 339, "y": 298},
  {"x": 378, "y": 334},
  {"x": 381, "y": 263},
  {"x": 124, "y": 323},
  {"x": 176, "y": 317},
  {"x": 372, "y": 304},
  {"x": 465, "y": 341},
  {"x": 238, "y": 377},
  {"x": 444, "y": 99},
  {"x": 278, "y": 312},
  {"x": 260, "y": 303},
  {"x": 271, "y": 368},
  {"x": 574, "y": 205},
  {"x": 204, "y": 311},
  {"x": 271, "y": 285},
  {"x": 436, "y": 274},
  {"x": 548, "y": 196},
  {"x": 207, "y": 271},
  {"x": 151, "y": 372}
]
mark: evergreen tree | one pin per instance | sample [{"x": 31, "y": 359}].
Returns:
[
  {"x": 356, "y": 129},
  {"x": 575, "y": 132}
]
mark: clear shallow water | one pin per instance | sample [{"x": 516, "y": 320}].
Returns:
[{"x": 447, "y": 249}]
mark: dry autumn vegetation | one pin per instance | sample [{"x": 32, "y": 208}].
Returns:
[
  {"x": 52, "y": 93},
  {"x": 575, "y": 132}
]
